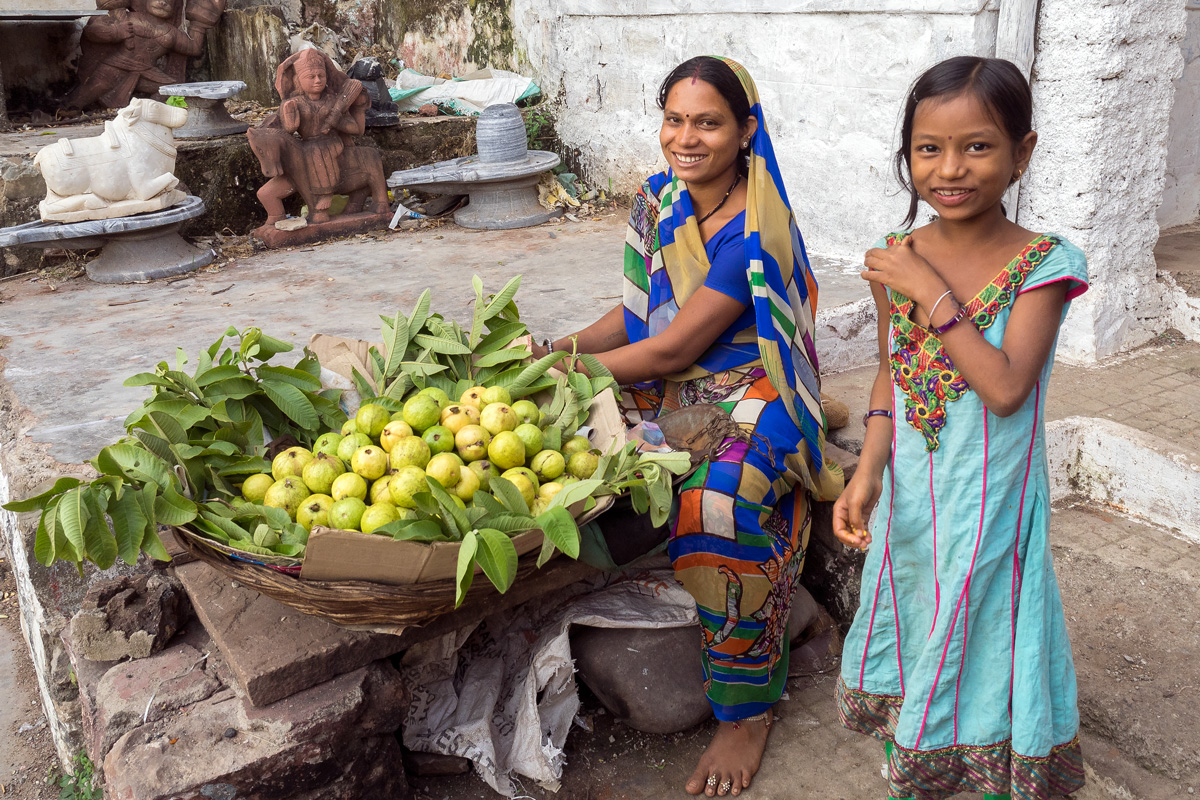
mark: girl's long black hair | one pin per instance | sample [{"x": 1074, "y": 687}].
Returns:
[
  {"x": 997, "y": 83},
  {"x": 720, "y": 75}
]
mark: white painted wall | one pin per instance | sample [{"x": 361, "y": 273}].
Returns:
[
  {"x": 1181, "y": 194},
  {"x": 1102, "y": 93}
]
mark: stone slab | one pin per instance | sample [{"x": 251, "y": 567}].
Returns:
[
  {"x": 210, "y": 90},
  {"x": 274, "y": 651},
  {"x": 338, "y": 226},
  {"x": 335, "y": 741}
]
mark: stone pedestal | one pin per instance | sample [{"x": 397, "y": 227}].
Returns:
[
  {"x": 206, "y": 108},
  {"x": 138, "y": 248}
]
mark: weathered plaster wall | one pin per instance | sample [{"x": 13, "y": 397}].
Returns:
[
  {"x": 832, "y": 75},
  {"x": 1181, "y": 194},
  {"x": 1103, "y": 87}
]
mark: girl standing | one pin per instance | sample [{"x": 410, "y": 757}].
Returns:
[{"x": 958, "y": 658}]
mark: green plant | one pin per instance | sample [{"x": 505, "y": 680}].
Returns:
[
  {"x": 80, "y": 783},
  {"x": 539, "y": 127}
]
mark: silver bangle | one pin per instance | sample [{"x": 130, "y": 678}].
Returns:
[
  {"x": 549, "y": 345},
  {"x": 936, "y": 304}
]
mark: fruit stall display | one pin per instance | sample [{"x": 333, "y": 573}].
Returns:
[{"x": 459, "y": 437}]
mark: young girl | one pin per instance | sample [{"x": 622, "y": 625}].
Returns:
[{"x": 958, "y": 658}]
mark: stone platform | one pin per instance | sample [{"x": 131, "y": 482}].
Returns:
[{"x": 222, "y": 171}]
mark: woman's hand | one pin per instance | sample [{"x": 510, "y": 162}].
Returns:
[
  {"x": 901, "y": 269},
  {"x": 853, "y": 509}
]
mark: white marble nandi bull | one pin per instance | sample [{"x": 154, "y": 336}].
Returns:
[{"x": 125, "y": 170}]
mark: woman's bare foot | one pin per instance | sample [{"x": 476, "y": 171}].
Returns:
[{"x": 732, "y": 758}]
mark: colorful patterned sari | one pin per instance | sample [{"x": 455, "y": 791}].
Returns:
[{"x": 739, "y": 541}]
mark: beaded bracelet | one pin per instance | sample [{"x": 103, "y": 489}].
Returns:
[
  {"x": 957, "y": 318},
  {"x": 876, "y": 412},
  {"x": 549, "y": 345}
]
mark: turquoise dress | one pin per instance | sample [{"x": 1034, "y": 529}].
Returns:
[{"x": 959, "y": 651}]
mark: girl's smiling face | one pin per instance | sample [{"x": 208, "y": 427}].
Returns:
[
  {"x": 699, "y": 136},
  {"x": 962, "y": 160}
]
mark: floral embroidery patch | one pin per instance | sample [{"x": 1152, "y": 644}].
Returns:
[{"x": 921, "y": 368}]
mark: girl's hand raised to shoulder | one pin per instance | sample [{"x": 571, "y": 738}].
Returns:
[{"x": 902, "y": 269}]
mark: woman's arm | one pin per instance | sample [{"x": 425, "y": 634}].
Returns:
[
  {"x": 1002, "y": 376},
  {"x": 853, "y": 508},
  {"x": 603, "y": 335}
]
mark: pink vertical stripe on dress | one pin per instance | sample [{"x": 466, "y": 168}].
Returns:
[
  {"x": 1016, "y": 573},
  {"x": 971, "y": 572},
  {"x": 862, "y": 672},
  {"x": 937, "y": 585}
]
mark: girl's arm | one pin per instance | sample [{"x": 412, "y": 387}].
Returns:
[
  {"x": 1002, "y": 376},
  {"x": 853, "y": 507}
]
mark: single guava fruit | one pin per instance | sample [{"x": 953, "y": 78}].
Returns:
[
  {"x": 349, "y": 484},
  {"x": 379, "y": 490},
  {"x": 567, "y": 479},
  {"x": 321, "y": 472},
  {"x": 526, "y": 471},
  {"x": 524, "y": 486},
  {"x": 531, "y": 436},
  {"x": 376, "y": 516},
  {"x": 497, "y": 417},
  {"x": 468, "y": 483},
  {"x": 540, "y": 504},
  {"x": 346, "y": 514},
  {"x": 314, "y": 511},
  {"x": 437, "y": 394},
  {"x": 471, "y": 442},
  {"x": 440, "y": 439},
  {"x": 290, "y": 463},
  {"x": 444, "y": 468},
  {"x": 350, "y": 444},
  {"x": 393, "y": 432},
  {"x": 410, "y": 451},
  {"x": 473, "y": 397},
  {"x": 576, "y": 444},
  {"x": 485, "y": 471},
  {"x": 506, "y": 450},
  {"x": 254, "y": 488},
  {"x": 421, "y": 411},
  {"x": 398, "y": 416},
  {"x": 582, "y": 465},
  {"x": 460, "y": 419},
  {"x": 327, "y": 443},
  {"x": 349, "y": 427},
  {"x": 547, "y": 490},
  {"x": 287, "y": 494},
  {"x": 527, "y": 412},
  {"x": 404, "y": 484},
  {"x": 459, "y": 408},
  {"x": 372, "y": 418},
  {"x": 370, "y": 461},
  {"x": 548, "y": 465},
  {"x": 494, "y": 394}
]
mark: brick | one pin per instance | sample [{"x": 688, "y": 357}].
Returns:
[{"x": 274, "y": 651}]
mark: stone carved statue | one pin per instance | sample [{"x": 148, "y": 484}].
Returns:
[
  {"x": 125, "y": 170},
  {"x": 138, "y": 47},
  {"x": 308, "y": 145}
]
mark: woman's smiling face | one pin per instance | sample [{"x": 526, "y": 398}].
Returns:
[{"x": 699, "y": 136}]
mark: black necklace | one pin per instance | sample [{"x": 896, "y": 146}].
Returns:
[{"x": 736, "y": 180}]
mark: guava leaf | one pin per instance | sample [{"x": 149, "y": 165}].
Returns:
[
  {"x": 574, "y": 492},
  {"x": 420, "y": 313},
  {"x": 297, "y": 378},
  {"x": 42, "y": 501},
  {"x": 153, "y": 546},
  {"x": 148, "y": 379},
  {"x": 507, "y": 493},
  {"x": 595, "y": 368},
  {"x": 230, "y": 389},
  {"x": 399, "y": 387},
  {"x": 421, "y": 367},
  {"x": 133, "y": 462},
  {"x": 129, "y": 526},
  {"x": 365, "y": 390},
  {"x": 449, "y": 509},
  {"x": 536, "y": 370},
  {"x": 172, "y": 508},
  {"x": 155, "y": 445},
  {"x": 501, "y": 333},
  {"x": 310, "y": 364},
  {"x": 446, "y": 345},
  {"x": 465, "y": 572},
  {"x": 185, "y": 381},
  {"x": 73, "y": 516},
  {"x": 211, "y": 376},
  {"x": 227, "y": 526},
  {"x": 509, "y": 522},
  {"x": 552, "y": 437},
  {"x": 395, "y": 342},
  {"x": 497, "y": 554},
  {"x": 377, "y": 364},
  {"x": 560, "y": 528},
  {"x": 421, "y": 530},
  {"x": 545, "y": 553},
  {"x": 502, "y": 357},
  {"x": 502, "y": 298},
  {"x": 639, "y": 498},
  {"x": 291, "y": 401},
  {"x": 269, "y": 346},
  {"x": 477, "y": 319},
  {"x": 43, "y": 542},
  {"x": 489, "y": 503},
  {"x": 101, "y": 547}
]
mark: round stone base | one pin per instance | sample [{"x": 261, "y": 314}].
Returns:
[{"x": 147, "y": 255}]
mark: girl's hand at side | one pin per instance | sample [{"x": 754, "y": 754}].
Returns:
[
  {"x": 901, "y": 269},
  {"x": 853, "y": 509}
]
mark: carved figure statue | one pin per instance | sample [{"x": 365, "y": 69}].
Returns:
[
  {"x": 125, "y": 170},
  {"x": 308, "y": 145},
  {"x": 121, "y": 52}
]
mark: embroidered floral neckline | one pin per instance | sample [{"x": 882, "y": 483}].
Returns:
[{"x": 921, "y": 368}]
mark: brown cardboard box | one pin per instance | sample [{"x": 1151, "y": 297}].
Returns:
[{"x": 334, "y": 555}]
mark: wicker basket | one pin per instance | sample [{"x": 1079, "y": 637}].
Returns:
[{"x": 349, "y": 602}]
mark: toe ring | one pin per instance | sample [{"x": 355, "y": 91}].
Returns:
[
  {"x": 712, "y": 780},
  {"x": 724, "y": 787}
]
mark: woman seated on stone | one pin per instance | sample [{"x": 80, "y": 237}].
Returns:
[{"x": 719, "y": 303}]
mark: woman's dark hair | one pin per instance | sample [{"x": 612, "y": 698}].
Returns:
[
  {"x": 997, "y": 83},
  {"x": 721, "y": 77}
]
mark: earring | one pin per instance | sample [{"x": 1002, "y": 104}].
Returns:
[
  {"x": 1020, "y": 172},
  {"x": 745, "y": 144}
]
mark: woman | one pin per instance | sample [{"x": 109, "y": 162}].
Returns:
[{"x": 691, "y": 329}]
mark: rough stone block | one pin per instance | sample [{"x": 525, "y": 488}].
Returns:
[
  {"x": 248, "y": 45},
  {"x": 274, "y": 651},
  {"x": 832, "y": 571},
  {"x": 22, "y": 181},
  {"x": 128, "y": 617},
  {"x": 334, "y": 741}
]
